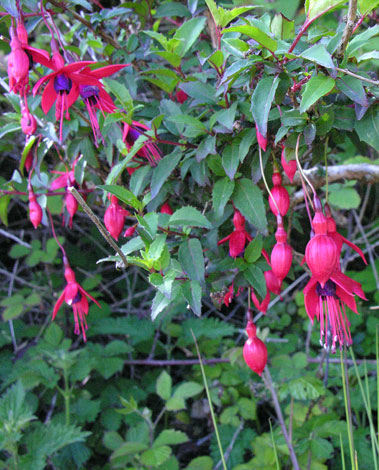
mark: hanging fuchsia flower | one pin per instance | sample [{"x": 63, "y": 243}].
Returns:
[
  {"x": 149, "y": 151},
  {"x": 254, "y": 350},
  {"x": 321, "y": 251},
  {"x": 228, "y": 297},
  {"x": 129, "y": 232},
  {"x": 338, "y": 239},
  {"x": 288, "y": 167},
  {"x": 114, "y": 218},
  {"x": 328, "y": 305},
  {"x": 94, "y": 95},
  {"x": 280, "y": 196},
  {"x": 76, "y": 297},
  {"x": 262, "y": 141},
  {"x": 281, "y": 255},
  {"x": 166, "y": 209},
  {"x": 272, "y": 285},
  {"x": 71, "y": 205},
  {"x": 35, "y": 210}
]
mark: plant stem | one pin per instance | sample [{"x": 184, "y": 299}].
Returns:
[
  {"x": 349, "y": 423},
  {"x": 264, "y": 179},
  {"x": 67, "y": 393},
  {"x": 269, "y": 384},
  {"x": 349, "y": 28}
]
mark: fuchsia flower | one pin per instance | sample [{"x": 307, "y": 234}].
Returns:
[
  {"x": 35, "y": 210},
  {"x": 28, "y": 121},
  {"x": 281, "y": 255},
  {"x": 228, "y": 297},
  {"x": 181, "y": 96},
  {"x": 273, "y": 285},
  {"x": 114, "y": 218},
  {"x": 288, "y": 167},
  {"x": 149, "y": 151},
  {"x": 280, "y": 195},
  {"x": 237, "y": 239},
  {"x": 166, "y": 209},
  {"x": 129, "y": 232},
  {"x": 254, "y": 350},
  {"x": 76, "y": 297}
]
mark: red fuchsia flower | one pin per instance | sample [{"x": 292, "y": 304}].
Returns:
[
  {"x": 35, "y": 210},
  {"x": 262, "y": 141},
  {"x": 114, "y": 218},
  {"x": 338, "y": 239},
  {"x": 28, "y": 162},
  {"x": 129, "y": 232},
  {"x": 166, "y": 209},
  {"x": 281, "y": 255},
  {"x": 71, "y": 205},
  {"x": 272, "y": 285},
  {"x": 280, "y": 195},
  {"x": 328, "y": 305},
  {"x": 149, "y": 151},
  {"x": 95, "y": 97},
  {"x": 321, "y": 251},
  {"x": 76, "y": 297},
  {"x": 28, "y": 121},
  {"x": 254, "y": 350},
  {"x": 228, "y": 297},
  {"x": 181, "y": 96},
  {"x": 62, "y": 85},
  {"x": 288, "y": 167}
]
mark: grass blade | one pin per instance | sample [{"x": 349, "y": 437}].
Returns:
[
  {"x": 274, "y": 444},
  {"x": 349, "y": 423},
  {"x": 342, "y": 454}
]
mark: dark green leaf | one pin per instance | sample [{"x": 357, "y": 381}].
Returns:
[
  {"x": 256, "y": 34},
  {"x": 221, "y": 193},
  {"x": 368, "y": 128},
  {"x": 192, "y": 293},
  {"x": 316, "y": 88},
  {"x": 256, "y": 279},
  {"x": 261, "y": 101},
  {"x": 192, "y": 259},
  {"x": 163, "y": 170},
  {"x": 189, "y": 216},
  {"x": 249, "y": 200}
]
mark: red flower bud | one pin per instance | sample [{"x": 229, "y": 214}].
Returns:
[
  {"x": 181, "y": 96},
  {"x": 238, "y": 220},
  {"x": 281, "y": 255},
  {"x": 254, "y": 350},
  {"x": 280, "y": 196},
  {"x": 35, "y": 211},
  {"x": 71, "y": 205},
  {"x": 321, "y": 252},
  {"x": 18, "y": 65},
  {"x": 262, "y": 141},
  {"x": 114, "y": 218},
  {"x": 130, "y": 231},
  {"x": 288, "y": 167},
  {"x": 166, "y": 209}
]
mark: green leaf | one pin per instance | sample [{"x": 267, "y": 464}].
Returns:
[
  {"x": 320, "y": 55},
  {"x": 282, "y": 28},
  {"x": 202, "y": 92},
  {"x": 188, "y": 390},
  {"x": 200, "y": 463},
  {"x": 170, "y": 437},
  {"x": 316, "y": 8},
  {"x": 191, "y": 259},
  {"x": 368, "y": 127},
  {"x": 226, "y": 16},
  {"x": 256, "y": 279},
  {"x": 4, "y": 203},
  {"x": 192, "y": 293},
  {"x": 164, "y": 385},
  {"x": 353, "y": 88},
  {"x": 162, "y": 171},
  {"x": 160, "y": 302},
  {"x": 171, "y": 9},
  {"x": 188, "y": 34},
  {"x": 253, "y": 250},
  {"x": 18, "y": 251},
  {"x": 306, "y": 388},
  {"x": 345, "y": 198},
  {"x": 156, "y": 456},
  {"x": 128, "y": 448},
  {"x": 175, "y": 404},
  {"x": 316, "y": 88},
  {"x": 10, "y": 127},
  {"x": 248, "y": 199},
  {"x": 221, "y": 193},
  {"x": 256, "y": 34},
  {"x": 189, "y": 216},
  {"x": 261, "y": 101},
  {"x": 365, "y": 6},
  {"x": 123, "y": 195},
  {"x": 361, "y": 39},
  {"x": 230, "y": 160}
]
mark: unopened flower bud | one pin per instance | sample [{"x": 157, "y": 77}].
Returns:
[
  {"x": 35, "y": 210},
  {"x": 254, "y": 350}
]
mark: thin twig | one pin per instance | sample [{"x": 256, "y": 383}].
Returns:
[
  {"x": 231, "y": 445},
  {"x": 98, "y": 224},
  {"x": 348, "y": 31},
  {"x": 16, "y": 239}
]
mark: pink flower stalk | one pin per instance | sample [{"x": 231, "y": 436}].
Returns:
[
  {"x": 281, "y": 255},
  {"x": 254, "y": 350},
  {"x": 321, "y": 251},
  {"x": 328, "y": 305},
  {"x": 114, "y": 218},
  {"x": 35, "y": 210},
  {"x": 262, "y": 141},
  {"x": 338, "y": 239},
  {"x": 76, "y": 297},
  {"x": 279, "y": 195},
  {"x": 166, "y": 209},
  {"x": 95, "y": 97},
  {"x": 288, "y": 167},
  {"x": 149, "y": 151}
]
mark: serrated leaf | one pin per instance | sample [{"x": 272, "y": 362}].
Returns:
[
  {"x": 192, "y": 293},
  {"x": 320, "y": 55},
  {"x": 345, "y": 198},
  {"x": 128, "y": 448},
  {"x": 188, "y": 390},
  {"x": 316, "y": 8},
  {"x": 256, "y": 279},
  {"x": 353, "y": 88},
  {"x": 175, "y": 404},
  {"x": 253, "y": 250},
  {"x": 123, "y": 195},
  {"x": 230, "y": 160},
  {"x": 192, "y": 259},
  {"x": 201, "y": 92},
  {"x": 188, "y": 33},
  {"x": 156, "y": 456},
  {"x": 248, "y": 199},
  {"x": 368, "y": 127},
  {"x": 365, "y": 6},
  {"x": 316, "y": 88},
  {"x": 170, "y": 437},
  {"x": 256, "y": 34},
  {"x": 261, "y": 101},
  {"x": 221, "y": 194},
  {"x": 189, "y": 216},
  {"x": 164, "y": 385},
  {"x": 160, "y": 302}
]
